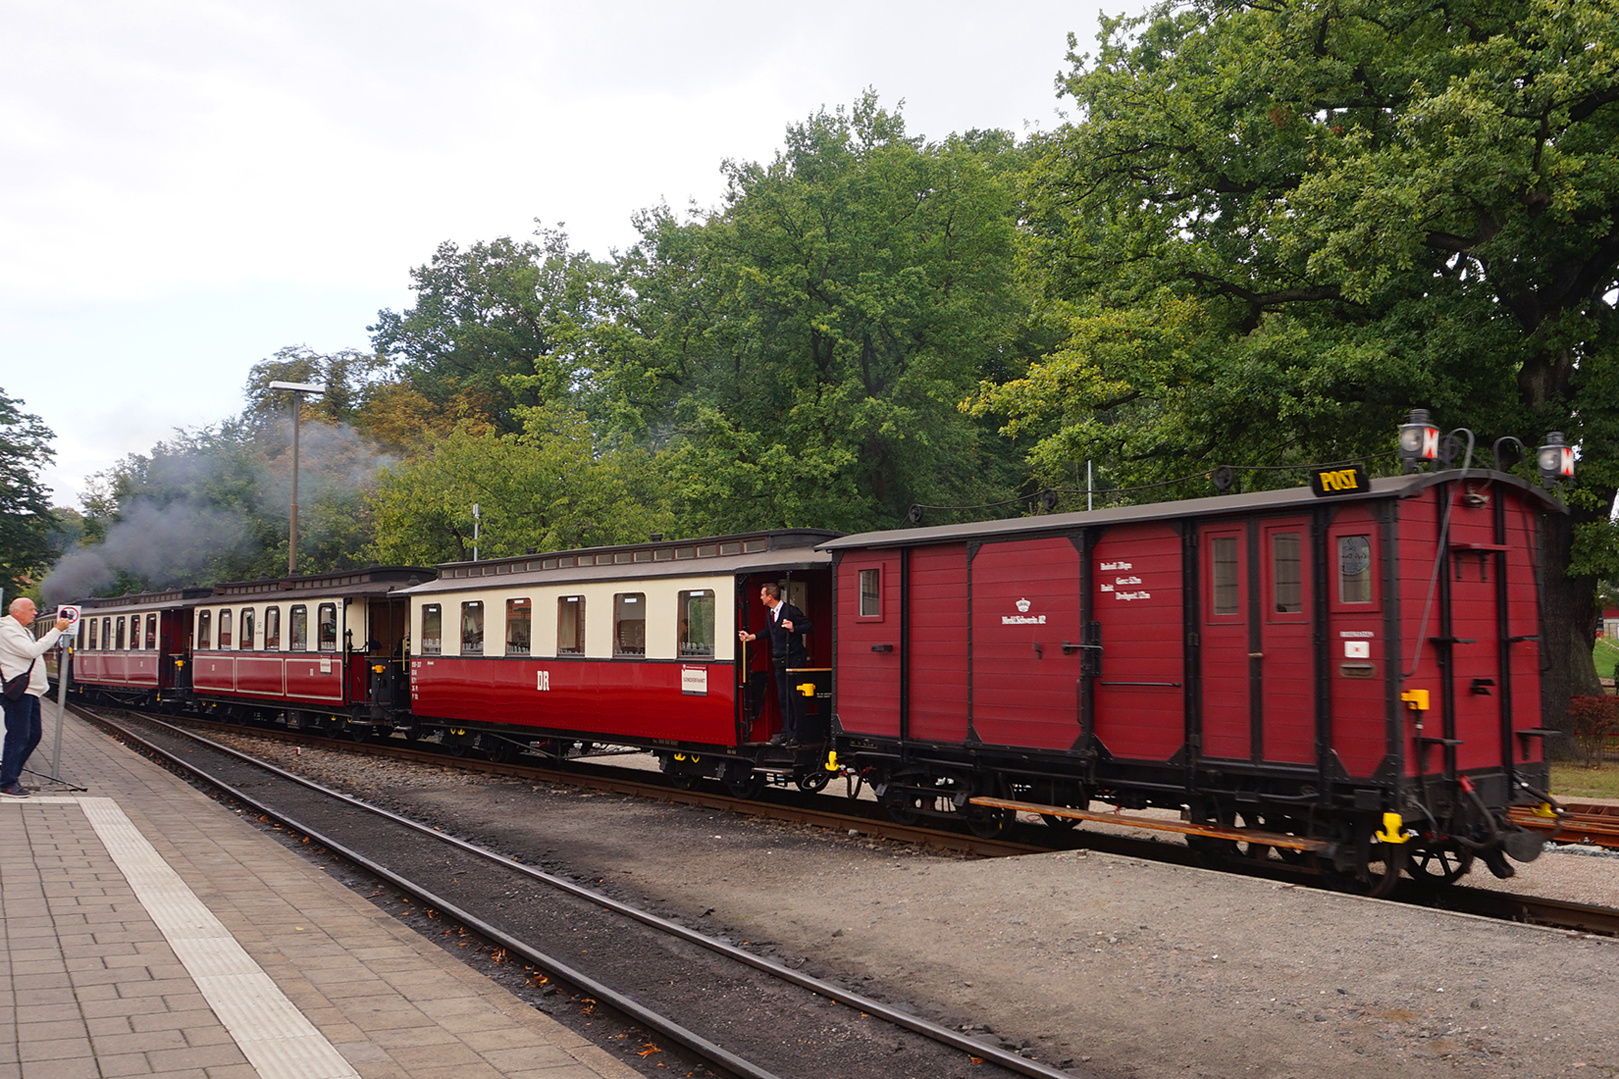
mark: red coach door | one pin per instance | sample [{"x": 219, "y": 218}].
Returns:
[
  {"x": 1286, "y": 656},
  {"x": 1228, "y": 606},
  {"x": 869, "y": 643},
  {"x": 1257, "y": 651}
]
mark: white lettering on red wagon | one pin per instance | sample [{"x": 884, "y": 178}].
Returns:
[
  {"x": 542, "y": 681},
  {"x": 1023, "y": 617}
]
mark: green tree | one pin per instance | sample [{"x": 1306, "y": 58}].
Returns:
[
  {"x": 26, "y": 521},
  {"x": 349, "y": 378},
  {"x": 1279, "y": 225},
  {"x": 547, "y": 487},
  {"x": 494, "y": 327},
  {"x": 801, "y": 351}
]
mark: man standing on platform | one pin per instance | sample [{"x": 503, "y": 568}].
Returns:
[{"x": 19, "y": 652}]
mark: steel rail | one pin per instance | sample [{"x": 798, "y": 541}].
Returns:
[{"x": 622, "y": 1002}]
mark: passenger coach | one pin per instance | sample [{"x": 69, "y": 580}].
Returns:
[
  {"x": 632, "y": 645},
  {"x": 328, "y": 650},
  {"x": 134, "y": 649}
]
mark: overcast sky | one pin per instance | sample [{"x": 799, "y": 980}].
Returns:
[{"x": 187, "y": 186}]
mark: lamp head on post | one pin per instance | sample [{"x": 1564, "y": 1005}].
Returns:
[
  {"x": 1554, "y": 460},
  {"x": 1419, "y": 440}
]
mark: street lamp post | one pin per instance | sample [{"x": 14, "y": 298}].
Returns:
[{"x": 297, "y": 389}]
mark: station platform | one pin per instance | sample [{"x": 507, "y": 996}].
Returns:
[{"x": 148, "y": 930}]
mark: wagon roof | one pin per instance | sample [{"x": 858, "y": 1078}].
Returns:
[
  {"x": 747, "y": 552},
  {"x": 1213, "y": 506},
  {"x": 173, "y": 597},
  {"x": 371, "y": 581}
]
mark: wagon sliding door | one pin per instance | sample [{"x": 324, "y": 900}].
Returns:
[
  {"x": 1136, "y": 599},
  {"x": 1025, "y": 637}
]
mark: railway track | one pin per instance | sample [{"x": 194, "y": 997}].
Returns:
[
  {"x": 743, "y": 1014},
  {"x": 789, "y": 804}
]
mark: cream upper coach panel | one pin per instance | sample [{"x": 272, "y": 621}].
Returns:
[
  {"x": 668, "y": 607},
  {"x": 635, "y": 601}
]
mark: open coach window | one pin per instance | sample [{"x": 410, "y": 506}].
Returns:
[
  {"x": 327, "y": 613},
  {"x": 519, "y": 627},
  {"x": 570, "y": 625},
  {"x": 629, "y": 624},
  {"x": 472, "y": 628},
  {"x": 432, "y": 629},
  {"x": 298, "y": 628},
  {"x": 697, "y": 624}
]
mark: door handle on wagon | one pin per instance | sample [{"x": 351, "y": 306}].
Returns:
[{"x": 882, "y": 648}]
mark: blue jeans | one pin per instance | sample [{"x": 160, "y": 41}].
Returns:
[{"x": 23, "y": 731}]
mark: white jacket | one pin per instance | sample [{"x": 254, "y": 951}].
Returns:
[{"x": 18, "y": 649}]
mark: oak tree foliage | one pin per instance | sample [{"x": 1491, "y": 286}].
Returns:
[{"x": 1276, "y": 226}]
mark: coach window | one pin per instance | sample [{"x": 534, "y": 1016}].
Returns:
[
  {"x": 298, "y": 629},
  {"x": 246, "y": 644},
  {"x": 224, "y": 629},
  {"x": 1354, "y": 569},
  {"x": 151, "y": 630},
  {"x": 1287, "y": 581},
  {"x": 871, "y": 593},
  {"x": 93, "y": 635},
  {"x": 205, "y": 630},
  {"x": 326, "y": 614},
  {"x": 272, "y": 629},
  {"x": 570, "y": 625},
  {"x": 629, "y": 624},
  {"x": 432, "y": 629},
  {"x": 472, "y": 628},
  {"x": 1225, "y": 600},
  {"x": 106, "y": 634},
  {"x": 120, "y": 623},
  {"x": 519, "y": 627},
  {"x": 697, "y": 624}
]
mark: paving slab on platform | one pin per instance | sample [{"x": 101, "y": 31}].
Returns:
[{"x": 147, "y": 930}]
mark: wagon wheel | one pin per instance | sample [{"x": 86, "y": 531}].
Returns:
[
  {"x": 988, "y": 823},
  {"x": 746, "y": 785},
  {"x": 1376, "y": 874},
  {"x": 1437, "y": 867},
  {"x": 813, "y": 782},
  {"x": 1062, "y": 824},
  {"x": 906, "y": 810}
]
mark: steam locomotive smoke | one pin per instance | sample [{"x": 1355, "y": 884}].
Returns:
[
  {"x": 179, "y": 535},
  {"x": 174, "y": 542}
]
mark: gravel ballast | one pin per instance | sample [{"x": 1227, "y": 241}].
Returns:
[{"x": 1111, "y": 965}]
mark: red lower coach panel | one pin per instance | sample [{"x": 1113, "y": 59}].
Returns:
[{"x": 595, "y": 699}]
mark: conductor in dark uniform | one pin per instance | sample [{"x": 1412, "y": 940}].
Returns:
[{"x": 788, "y": 625}]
